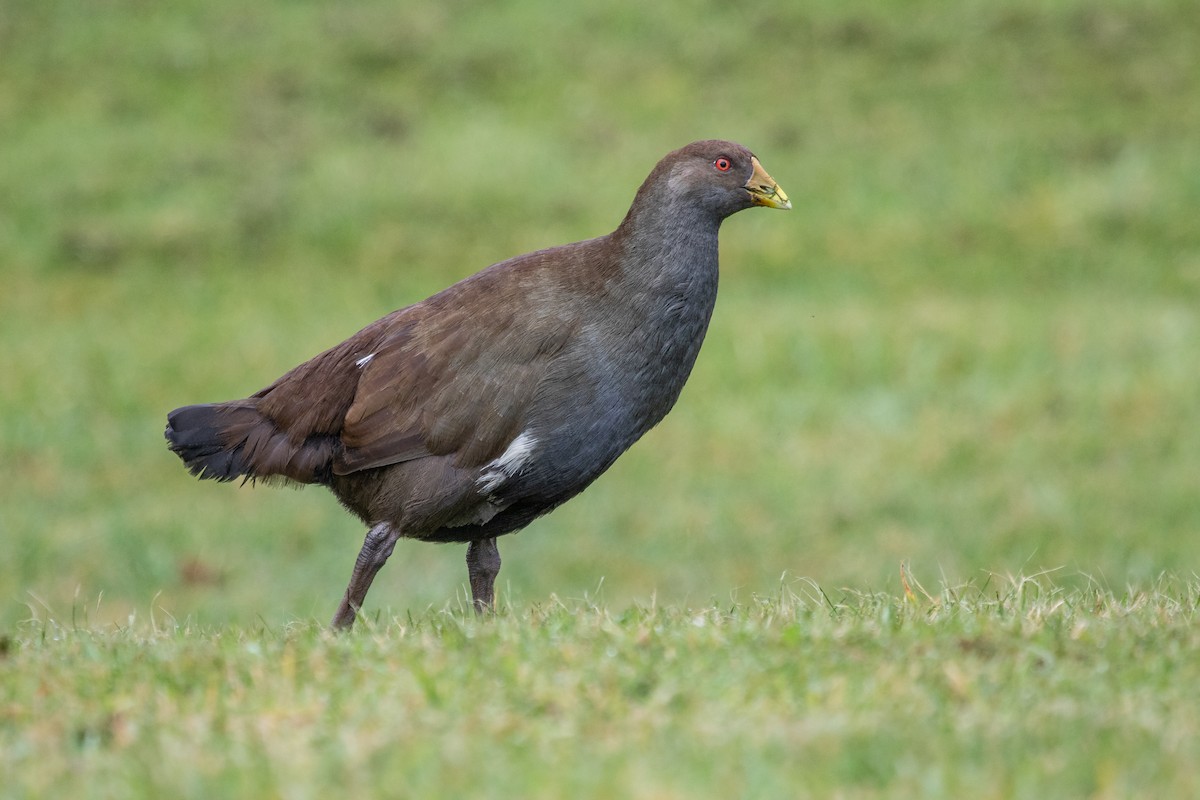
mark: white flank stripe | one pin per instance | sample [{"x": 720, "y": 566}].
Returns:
[
  {"x": 510, "y": 462},
  {"x": 362, "y": 362}
]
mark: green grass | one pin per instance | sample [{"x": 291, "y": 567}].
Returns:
[
  {"x": 1014, "y": 689},
  {"x": 972, "y": 347}
]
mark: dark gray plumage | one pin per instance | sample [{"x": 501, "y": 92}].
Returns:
[{"x": 469, "y": 414}]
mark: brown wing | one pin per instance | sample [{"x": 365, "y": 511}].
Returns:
[
  {"x": 444, "y": 380},
  {"x": 312, "y": 399},
  {"x": 453, "y": 374},
  {"x": 292, "y": 428}
]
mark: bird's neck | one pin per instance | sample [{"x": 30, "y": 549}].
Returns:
[{"x": 668, "y": 242}]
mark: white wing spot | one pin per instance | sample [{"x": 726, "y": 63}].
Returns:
[
  {"x": 362, "y": 362},
  {"x": 508, "y": 464}
]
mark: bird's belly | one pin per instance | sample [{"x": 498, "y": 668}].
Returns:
[
  {"x": 571, "y": 438},
  {"x": 567, "y": 454}
]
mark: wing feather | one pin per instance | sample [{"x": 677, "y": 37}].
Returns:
[{"x": 453, "y": 374}]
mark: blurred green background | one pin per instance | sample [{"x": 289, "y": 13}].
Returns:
[{"x": 974, "y": 344}]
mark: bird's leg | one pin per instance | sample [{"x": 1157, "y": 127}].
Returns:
[
  {"x": 483, "y": 565},
  {"x": 380, "y": 541}
]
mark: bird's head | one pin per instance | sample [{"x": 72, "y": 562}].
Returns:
[{"x": 723, "y": 176}]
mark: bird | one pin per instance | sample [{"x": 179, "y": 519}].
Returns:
[{"x": 467, "y": 415}]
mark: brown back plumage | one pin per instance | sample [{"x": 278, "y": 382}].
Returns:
[{"x": 419, "y": 382}]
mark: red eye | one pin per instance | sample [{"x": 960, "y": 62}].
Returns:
[{"x": 722, "y": 164}]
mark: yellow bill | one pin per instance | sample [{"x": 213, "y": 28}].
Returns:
[{"x": 763, "y": 189}]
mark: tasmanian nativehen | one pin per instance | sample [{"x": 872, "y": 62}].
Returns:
[{"x": 466, "y": 416}]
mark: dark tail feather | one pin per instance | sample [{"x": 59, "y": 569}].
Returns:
[
  {"x": 196, "y": 434},
  {"x": 225, "y": 441}
]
